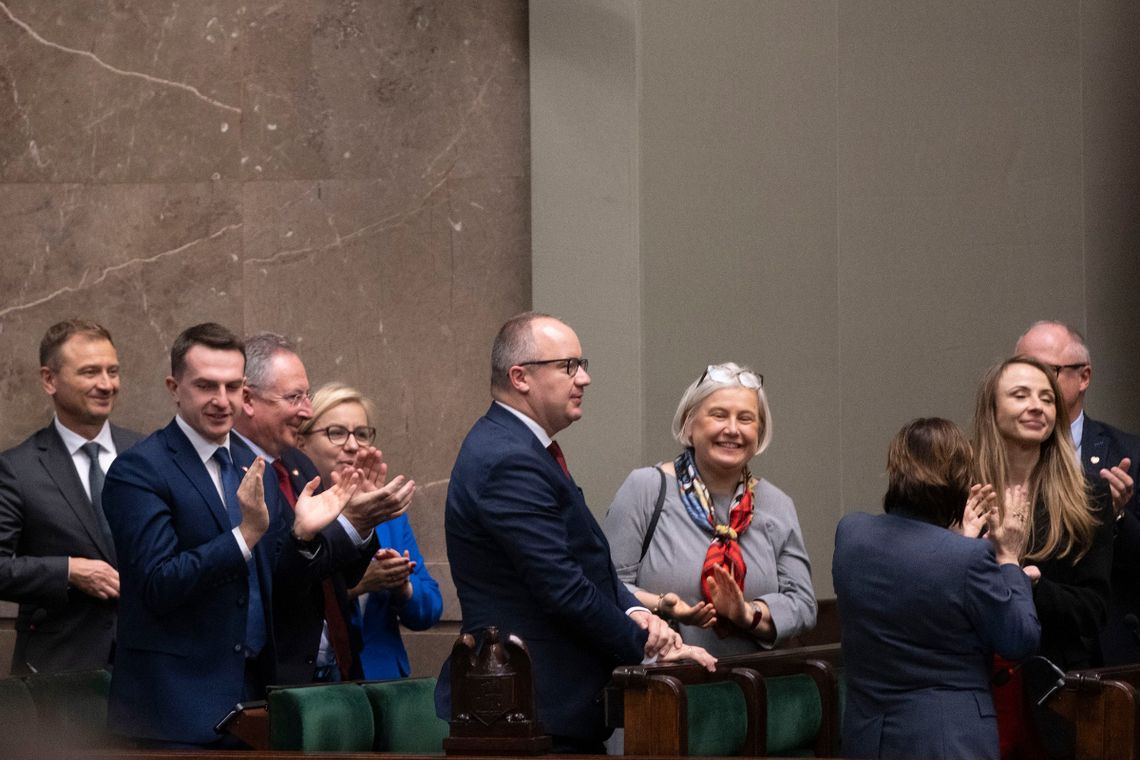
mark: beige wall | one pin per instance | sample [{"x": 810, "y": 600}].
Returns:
[{"x": 866, "y": 201}]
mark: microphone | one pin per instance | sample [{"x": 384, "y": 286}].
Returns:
[{"x": 1001, "y": 678}]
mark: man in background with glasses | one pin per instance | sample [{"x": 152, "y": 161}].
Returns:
[
  {"x": 1105, "y": 453},
  {"x": 314, "y": 640},
  {"x": 526, "y": 554}
]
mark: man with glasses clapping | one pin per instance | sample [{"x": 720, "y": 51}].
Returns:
[{"x": 314, "y": 639}]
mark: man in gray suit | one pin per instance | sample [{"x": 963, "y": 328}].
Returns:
[{"x": 57, "y": 558}]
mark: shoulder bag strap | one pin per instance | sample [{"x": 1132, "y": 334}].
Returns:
[{"x": 656, "y": 516}]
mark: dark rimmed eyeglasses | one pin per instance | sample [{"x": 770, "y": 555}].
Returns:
[
  {"x": 1058, "y": 368},
  {"x": 719, "y": 373},
  {"x": 338, "y": 434},
  {"x": 571, "y": 364}
]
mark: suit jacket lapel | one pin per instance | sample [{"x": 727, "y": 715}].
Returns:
[
  {"x": 1094, "y": 450},
  {"x": 577, "y": 499},
  {"x": 187, "y": 460},
  {"x": 61, "y": 469}
]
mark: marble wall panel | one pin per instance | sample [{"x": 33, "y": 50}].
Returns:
[
  {"x": 144, "y": 259},
  {"x": 428, "y": 90},
  {"x": 353, "y": 175},
  {"x": 119, "y": 91}
]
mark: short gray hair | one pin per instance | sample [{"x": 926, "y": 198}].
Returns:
[
  {"x": 1075, "y": 336},
  {"x": 514, "y": 344},
  {"x": 705, "y": 386},
  {"x": 259, "y": 352}
]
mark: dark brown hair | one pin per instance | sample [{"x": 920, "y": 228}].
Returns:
[
  {"x": 928, "y": 471},
  {"x": 208, "y": 334},
  {"x": 61, "y": 332}
]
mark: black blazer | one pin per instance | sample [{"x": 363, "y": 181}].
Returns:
[
  {"x": 299, "y": 614},
  {"x": 1072, "y": 597},
  {"x": 1104, "y": 446},
  {"x": 46, "y": 517}
]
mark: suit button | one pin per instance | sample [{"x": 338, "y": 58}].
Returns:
[
  {"x": 240, "y": 601},
  {"x": 237, "y": 647}
]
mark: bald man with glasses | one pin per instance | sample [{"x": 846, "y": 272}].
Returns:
[{"x": 1106, "y": 453}]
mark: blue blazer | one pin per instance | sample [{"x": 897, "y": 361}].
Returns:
[
  {"x": 384, "y": 655},
  {"x": 1120, "y": 638},
  {"x": 179, "y": 661},
  {"x": 923, "y": 610},
  {"x": 528, "y": 557}
]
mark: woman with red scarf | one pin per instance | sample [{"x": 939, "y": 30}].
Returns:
[{"x": 704, "y": 543}]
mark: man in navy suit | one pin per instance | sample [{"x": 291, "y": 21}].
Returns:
[
  {"x": 1105, "y": 453},
  {"x": 57, "y": 558},
  {"x": 201, "y": 547},
  {"x": 526, "y": 554},
  {"x": 315, "y": 641}
]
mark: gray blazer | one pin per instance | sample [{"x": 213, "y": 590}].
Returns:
[
  {"x": 779, "y": 572},
  {"x": 46, "y": 517}
]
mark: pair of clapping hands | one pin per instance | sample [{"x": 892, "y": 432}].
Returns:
[
  {"x": 359, "y": 491},
  {"x": 727, "y": 604},
  {"x": 1007, "y": 530}
]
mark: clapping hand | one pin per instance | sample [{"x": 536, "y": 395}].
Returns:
[
  {"x": 313, "y": 512},
  {"x": 981, "y": 501},
  {"x": 388, "y": 571},
  {"x": 731, "y": 605},
  {"x": 1009, "y": 532},
  {"x": 702, "y": 614},
  {"x": 1120, "y": 483},
  {"x": 376, "y": 501},
  {"x": 251, "y": 500}
]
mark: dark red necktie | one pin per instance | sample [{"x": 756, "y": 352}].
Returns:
[
  {"x": 556, "y": 452},
  {"x": 338, "y": 629}
]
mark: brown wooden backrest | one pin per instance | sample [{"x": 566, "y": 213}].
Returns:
[
  {"x": 1105, "y": 710},
  {"x": 654, "y": 703}
]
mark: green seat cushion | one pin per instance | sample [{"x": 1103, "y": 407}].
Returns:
[
  {"x": 403, "y": 711},
  {"x": 718, "y": 719},
  {"x": 332, "y": 718},
  {"x": 795, "y": 715},
  {"x": 18, "y": 718},
  {"x": 72, "y": 706}
]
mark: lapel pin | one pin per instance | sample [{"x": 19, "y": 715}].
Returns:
[
  {"x": 295, "y": 472},
  {"x": 1094, "y": 460}
]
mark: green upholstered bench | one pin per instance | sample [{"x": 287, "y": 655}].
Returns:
[
  {"x": 320, "y": 718},
  {"x": 18, "y": 718},
  {"x": 804, "y": 698},
  {"x": 677, "y": 710},
  {"x": 795, "y": 716},
  {"x": 403, "y": 711},
  {"x": 72, "y": 706},
  {"x": 357, "y": 716},
  {"x": 55, "y": 712}
]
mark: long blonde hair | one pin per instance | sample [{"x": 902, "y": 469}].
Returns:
[{"x": 1056, "y": 479}]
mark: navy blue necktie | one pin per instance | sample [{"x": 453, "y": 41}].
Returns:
[
  {"x": 255, "y": 614},
  {"x": 95, "y": 480}
]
